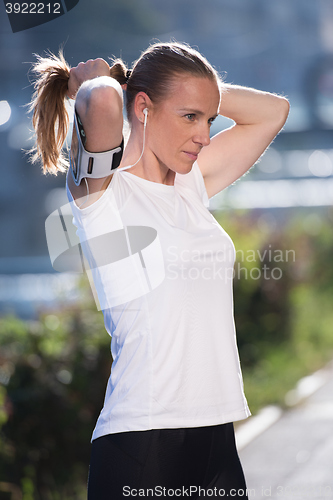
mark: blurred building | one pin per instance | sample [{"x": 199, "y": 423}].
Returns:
[{"x": 284, "y": 47}]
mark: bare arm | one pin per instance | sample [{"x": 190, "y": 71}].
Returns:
[
  {"x": 99, "y": 103},
  {"x": 258, "y": 117}
]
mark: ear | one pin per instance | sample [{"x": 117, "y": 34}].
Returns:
[{"x": 141, "y": 102}]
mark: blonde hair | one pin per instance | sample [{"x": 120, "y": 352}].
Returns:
[
  {"x": 152, "y": 73},
  {"x": 50, "y": 117}
]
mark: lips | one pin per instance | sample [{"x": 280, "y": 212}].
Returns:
[{"x": 192, "y": 156}]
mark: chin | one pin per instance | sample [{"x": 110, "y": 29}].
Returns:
[
  {"x": 188, "y": 167},
  {"x": 184, "y": 169}
]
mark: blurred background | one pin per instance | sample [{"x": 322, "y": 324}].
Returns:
[{"x": 54, "y": 351}]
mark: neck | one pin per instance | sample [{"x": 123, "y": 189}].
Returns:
[{"x": 149, "y": 167}]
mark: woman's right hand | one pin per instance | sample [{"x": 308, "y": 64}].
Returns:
[{"x": 86, "y": 71}]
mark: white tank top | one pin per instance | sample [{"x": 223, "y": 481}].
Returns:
[{"x": 163, "y": 275}]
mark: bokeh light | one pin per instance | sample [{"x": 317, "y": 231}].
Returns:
[{"x": 5, "y": 112}]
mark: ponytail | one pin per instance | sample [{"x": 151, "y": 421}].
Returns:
[
  {"x": 50, "y": 116},
  {"x": 118, "y": 71}
]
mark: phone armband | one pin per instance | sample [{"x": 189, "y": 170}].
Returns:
[{"x": 90, "y": 165}]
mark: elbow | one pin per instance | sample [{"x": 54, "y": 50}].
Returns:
[
  {"x": 100, "y": 95},
  {"x": 282, "y": 111}
]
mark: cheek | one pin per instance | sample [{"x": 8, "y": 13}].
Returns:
[
  {"x": 163, "y": 137},
  {"x": 166, "y": 137}
]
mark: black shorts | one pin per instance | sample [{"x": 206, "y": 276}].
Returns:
[{"x": 198, "y": 462}]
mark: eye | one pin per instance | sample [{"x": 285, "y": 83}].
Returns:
[
  {"x": 190, "y": 116},
  {"x": 211, "y": 120}
]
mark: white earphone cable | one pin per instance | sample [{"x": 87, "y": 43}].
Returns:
[{"x": 143, "y": 144}]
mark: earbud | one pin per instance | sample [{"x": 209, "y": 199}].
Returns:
[{"x": 145, "y": 112}]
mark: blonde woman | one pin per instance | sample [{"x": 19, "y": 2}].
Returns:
[{"x": 175, "y": 387}]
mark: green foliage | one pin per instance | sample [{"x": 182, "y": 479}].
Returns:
[
  {"x": 57, "y": 370},
  {"x": 262, "y": 282}
]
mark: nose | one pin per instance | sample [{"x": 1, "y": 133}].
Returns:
[{"x": 202, "y": 137}]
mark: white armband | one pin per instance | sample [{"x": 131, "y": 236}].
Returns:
[{"x": 90, "y": 165}]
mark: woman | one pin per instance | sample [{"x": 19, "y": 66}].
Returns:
[{"x": 175, "y": 387}]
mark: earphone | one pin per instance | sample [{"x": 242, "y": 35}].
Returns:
[{"x": 145, "y": 112}]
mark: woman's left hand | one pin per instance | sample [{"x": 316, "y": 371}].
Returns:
[{"x": 88, "y": 70}]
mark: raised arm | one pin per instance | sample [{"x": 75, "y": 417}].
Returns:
[
  {"x": 258, "y": 117},
  {"x": 99, "y": 103}
]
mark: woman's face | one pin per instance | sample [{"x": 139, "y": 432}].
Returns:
[{"x": 178, "y": 127}]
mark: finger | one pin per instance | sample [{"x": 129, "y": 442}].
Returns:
[{"x": 73, "y": 83}]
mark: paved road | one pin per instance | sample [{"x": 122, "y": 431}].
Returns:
[{"x": 293, "y": 459}]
